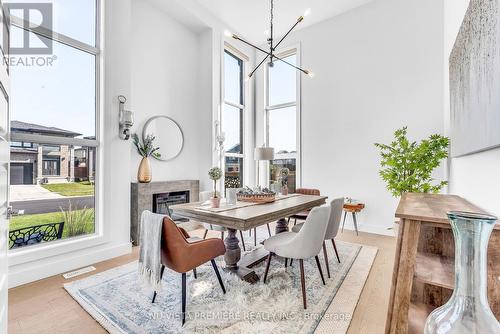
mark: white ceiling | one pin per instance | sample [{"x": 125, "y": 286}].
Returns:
[{"x": 251, "y": 18}]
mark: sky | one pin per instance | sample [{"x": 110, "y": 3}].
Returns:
[{"x": 63, "y": 95}]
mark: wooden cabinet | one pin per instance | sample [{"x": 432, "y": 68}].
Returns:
[{"x": 424, "y": 266}]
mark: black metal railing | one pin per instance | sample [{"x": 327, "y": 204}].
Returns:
[{"x": 35, "y": 234}]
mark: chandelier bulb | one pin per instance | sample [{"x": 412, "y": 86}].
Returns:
[
  {"x": 307, "y": 12},
  {"x": 227, "y": 33},
  {"x": 310, "y": 74}
]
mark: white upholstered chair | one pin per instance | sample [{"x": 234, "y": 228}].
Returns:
[
  {"x": 336, "y": 207},
  {"x": 302, "y": 245}
]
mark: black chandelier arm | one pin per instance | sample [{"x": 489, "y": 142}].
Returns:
[
  {"x": 248, "y": 43},
  {"x": 257, "y": 67},
  {"x": 300, "y": 19}
]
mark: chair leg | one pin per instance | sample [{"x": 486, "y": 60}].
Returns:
[
  {"x": 267, "y": 265},
  {"x": 161, "y": 276},
  {"x": 319, "y": 268},
  {"x": 269, "y": 230},
  {"x": 183, "y": 298},
  {"x": 325, "y": 253},
  {"x": 335, "y": 248},
  {"x": 242, "y": 241},
  {"x": 291, "y": 262},
  {"x": 222, "y": 235},
  {"x": 303, "y": 282},
  {"x": 255, "y": 237},
  {"x": 286, "y": 262},
  {"x": 218, "y": 276},
  {"x": 205, "y": 234},
  {"x": 295, "y": 222},
  {"x": 195, "y": 274},
  {"x": 288, "y": 221},
  {"x": 343, "y": 223}
]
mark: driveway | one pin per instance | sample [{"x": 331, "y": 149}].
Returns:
[
  {"x": 53, "y": 205},
  {"x": 31, "y": 192}
]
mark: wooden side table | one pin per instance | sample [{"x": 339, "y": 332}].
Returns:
[{"x": 353, "y": 208}]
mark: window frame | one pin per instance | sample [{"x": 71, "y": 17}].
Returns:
[
  {"x": 283, "y": 53},
  {"x": 243, "y": 107},
  {"x": 23, "y": 255}
]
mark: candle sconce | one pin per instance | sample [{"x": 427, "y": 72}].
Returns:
[{"x": 126, "y": 119}]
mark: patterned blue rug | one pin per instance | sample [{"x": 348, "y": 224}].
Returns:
[{"x": 122, "y": 304}]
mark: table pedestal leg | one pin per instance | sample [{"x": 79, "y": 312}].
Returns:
[
  {"x": 281, "y": 226},
  {"x": 233, "y": 250},
  {"x": 233, "y": 256}
]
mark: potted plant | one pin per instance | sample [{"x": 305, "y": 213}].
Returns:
[
  {"x": 145, "y": 149},
  {"x": 284, "y": 172},
  {"x": 408, "y": 166},
  {"x": 215, "y": 174}
]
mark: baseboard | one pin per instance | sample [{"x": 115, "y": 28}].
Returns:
[
  {"x": 37, "y": 270},
  {"x": 375, "y": 229}
]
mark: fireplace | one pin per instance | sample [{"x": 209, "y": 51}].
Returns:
[
  {"x": 163, "y": 201},
  {"x": 158, "y": 197}
]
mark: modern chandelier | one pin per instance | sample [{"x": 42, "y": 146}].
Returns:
[{"x": 271, "y": 54}]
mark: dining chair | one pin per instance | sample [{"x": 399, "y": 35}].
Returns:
[
  {"x": 303, "y": 215},
  {"x": 205, "y": 196},
  {"x": 336, "y": 207},
  {"x": 302, "y": 245},
  {"x": 181, "y": 255}
]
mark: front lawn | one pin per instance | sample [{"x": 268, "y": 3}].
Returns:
[
  {"x": 18, "y": 222},
  {"x": 71, "y": 189}
]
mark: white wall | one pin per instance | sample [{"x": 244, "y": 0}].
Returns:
[
  {"x": 166, "y": 65},
  {"x": 378, "y": 68},
  {"x": 475, "y": 177}
]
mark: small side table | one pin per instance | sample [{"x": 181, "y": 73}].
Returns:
[{"x": 354, "y": 208}]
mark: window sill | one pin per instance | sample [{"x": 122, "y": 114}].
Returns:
[{"x": 54, "y": 248}]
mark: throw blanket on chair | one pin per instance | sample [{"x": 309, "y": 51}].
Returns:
[{"x": 150, "y": 247}]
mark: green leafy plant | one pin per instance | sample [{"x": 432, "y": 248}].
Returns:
[
  {"x": 215, "y": 174},
  {"x": 77, "y": 221},
  {"x": 146, "y": 148},
  {"x": 408, "y": 166}
]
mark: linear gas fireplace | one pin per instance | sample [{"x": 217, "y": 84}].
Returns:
[
  {"x": 163, "y": 202},
  {"x": 158, "y": 197}
]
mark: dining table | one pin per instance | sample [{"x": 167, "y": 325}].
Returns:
[{"x": 244, "y": 216}]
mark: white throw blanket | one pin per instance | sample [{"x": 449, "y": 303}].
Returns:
[{"x": 150, "y": 247}]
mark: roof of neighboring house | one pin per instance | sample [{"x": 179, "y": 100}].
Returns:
[{"x": 17, "y": 126}]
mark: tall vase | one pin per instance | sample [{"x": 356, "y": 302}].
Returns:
[
  {"x": 144, "y": 171},
  {"x": 468, "y": 310}
]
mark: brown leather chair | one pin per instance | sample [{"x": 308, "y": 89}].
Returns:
[
  {"x": 303, "y": 215},
  {"x": 181, "y": 253}
]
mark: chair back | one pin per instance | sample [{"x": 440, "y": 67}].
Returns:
[
  {"x": 306, "y": 191},
  {"x": 205, "y": 195},
  {"x": 173, "y": 244},
  {"x": 337, "y": 207},
  {"x": 309, "y": 240}
]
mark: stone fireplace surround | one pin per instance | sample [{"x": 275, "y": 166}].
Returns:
[{"x": 142, "y": 199}]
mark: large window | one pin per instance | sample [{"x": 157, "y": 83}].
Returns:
[
  {"x": 282, "y": 118},
  {"x": 232, "y": 119},
  {"x": 54, "y": 113}
]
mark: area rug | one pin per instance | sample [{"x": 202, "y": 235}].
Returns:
[{"x": 121, "y": 304}]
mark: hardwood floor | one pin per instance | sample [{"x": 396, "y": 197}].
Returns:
[{"x": 45, "y": 307}]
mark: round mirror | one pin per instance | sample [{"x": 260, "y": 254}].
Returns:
[{"x": 168, "y": 136}]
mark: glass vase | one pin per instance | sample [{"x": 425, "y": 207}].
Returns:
[{"x": 468, "y": 310}]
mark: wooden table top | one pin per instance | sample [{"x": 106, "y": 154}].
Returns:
[
  {"x": 433, "y": 207},
  {"x": 245, "y": 218}
]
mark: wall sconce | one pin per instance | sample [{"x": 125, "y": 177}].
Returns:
[{"x": 126, "y": 119}]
